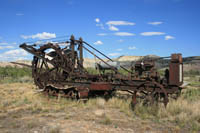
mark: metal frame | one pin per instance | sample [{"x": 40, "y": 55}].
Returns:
[{"x": 65, "y": 75}]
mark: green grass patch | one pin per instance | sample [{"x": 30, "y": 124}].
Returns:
[
  {"x": 191, "y": 73},
  {"x": 191, "y": 94},
  {"x": 10, "y": 74}
]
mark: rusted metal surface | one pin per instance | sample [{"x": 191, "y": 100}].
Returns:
[
  {"x": 176, "y": 70},
  {"x": 101, "y": 86},
  {"x": 83, "y": 92},
  {"x": 59, "y": 71}
]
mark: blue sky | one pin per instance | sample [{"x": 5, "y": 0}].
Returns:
[{"x": 115, "y": 27}]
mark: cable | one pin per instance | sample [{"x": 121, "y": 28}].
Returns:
[
  {"x": 105, "y": 56},
  {"x": 101, "y": 59},
  {"x": 98, "y": 51}
]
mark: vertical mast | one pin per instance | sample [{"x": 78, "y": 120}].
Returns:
[
  {"x": 72, "y": 43},
  {"x": 81, "y": 52}
]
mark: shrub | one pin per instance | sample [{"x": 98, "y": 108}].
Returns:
[
  {"x": 10, "y": 74},
  {"x": 191, "y": 73}
]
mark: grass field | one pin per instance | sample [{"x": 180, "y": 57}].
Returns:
[{"x": 22, "y": 109}]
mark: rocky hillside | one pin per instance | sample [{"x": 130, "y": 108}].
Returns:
[
  {"x": 190, "y": 63},
  {"x": 129, "y": 58}
]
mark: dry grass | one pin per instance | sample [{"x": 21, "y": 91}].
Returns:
[
  {"x": 183, "y": 112},
  {"x": 106, "y": 120},
  {"x": 16, "y": 97},
  {"x": 55, "y": 129},
  {"x": 122, "y": 105}
]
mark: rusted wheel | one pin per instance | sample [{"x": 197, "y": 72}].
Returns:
[
  {"x": 73, "y": 94},
  {"x": 44, "y": 72},
  {"x": 152, "y": 93}
]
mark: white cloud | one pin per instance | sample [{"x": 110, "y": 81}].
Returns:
[
  {"x": 25, "y": 37},
  {"x": 14, "y": 43},
  {"x": 152, "y": 33},
  {"x": 169, "y": 37},
  {"x": 155, "y": 23},
  {"x": 98, "y": 43},
  {"x": 113, "y": 28},
  {"x": 100, "y": 25},
  {"x": 3, "y": 43},
  {"x": 6, "y": 47},
  {"x": 114, "y": 54},
  {"x": 119, "y": 23},
  {"x": 63, "y": 44},
  {"x": 102, "y": 34},
  {"x": 15, "y": 54},
  {"x": 39, "y": 42},
  {"x": 97, "y": 20},
  {"x": 132, "y": 48},
  {"x": 124, "y": 34},
  {"x": 9, "y": 47},
  {"x": 120, "y": 40},
  {"x": 119, "y": 49},
  {"x": 44, "y": 35},
  {"x": 19, "y": 14}
]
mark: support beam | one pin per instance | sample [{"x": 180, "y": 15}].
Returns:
[
  {"x": 72, "y": 47},
  {"x": 81, "y": 52}
]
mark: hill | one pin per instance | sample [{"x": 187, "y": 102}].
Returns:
[{"x": 190, "y": 63}]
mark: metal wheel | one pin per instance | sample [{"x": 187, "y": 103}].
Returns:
[
  {"x": 152, "y": 93},
  {"x": 73, "y": 94},
  {"x": 44, "y": 72}
]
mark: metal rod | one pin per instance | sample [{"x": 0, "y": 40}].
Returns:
[
  {"x": 105, "y": 56},
  {"x": 100, "y": 59},
  {"x": 21, "y": 64},
  {"x": 97, "y": 51}
]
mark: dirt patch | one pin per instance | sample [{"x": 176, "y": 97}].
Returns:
[{"x": 23, "y": 110}]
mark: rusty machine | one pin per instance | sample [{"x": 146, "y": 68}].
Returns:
[{"x": 57, "y": 69}]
